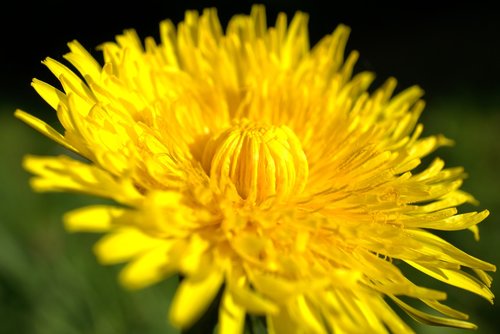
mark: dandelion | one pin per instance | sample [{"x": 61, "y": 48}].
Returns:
[{"x": 263, "y": 172}]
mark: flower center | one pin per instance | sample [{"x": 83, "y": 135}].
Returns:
[{"x": 260, "y": 160}]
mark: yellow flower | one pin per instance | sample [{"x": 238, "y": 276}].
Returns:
[{"x": 253, "y": 165}]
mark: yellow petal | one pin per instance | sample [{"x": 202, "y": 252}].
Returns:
[
  {"x": 400, "y": 102},
  {"x": 65, "y": 174},
  {"x": 44, "y": 129},
  {"x": 432, "y": 319},
  {"x": 97, "y": 218},
  {"x": 251, "y": 300},
  {"x": 427, "y": 145},
  {"x": 82, "y": 60},
  {"x": 452, "y": 199},
  {"x": 484, "y": 277},
  {"x": 456, "y": 278},
  {"x": 71, "y": 82},
  {"x": 275, "y": 287},
  {"x": 446, "y": 310},
  {"x": 148, "y": 268},
  {"x": 124, "y": 244},
  {"x": 192, "y": 256},
  {"x": 430, "y": 244},
  {"x": 50, "y": 94},
  {"x": 475, "y": 231},
  {"x": 231, "y": 315},
  {"x": 390, "y": 318},
  {"x": 307, "y": 314},
  {"x": 193, "y": 297},
  {"x": 446, "y": 220},
  {"x": 283, "y": 323}
]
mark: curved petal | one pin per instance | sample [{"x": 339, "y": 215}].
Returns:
[
  {"x": 193, "y": 297},
  {"x": 148, "y": 268},
  {"x": 96, "y": 218},
  {"x": 124, "y": 244},
  {"x": 231, "y": 315}
]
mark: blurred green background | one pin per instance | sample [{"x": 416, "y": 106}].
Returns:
[{"x": 50, "y": 281}]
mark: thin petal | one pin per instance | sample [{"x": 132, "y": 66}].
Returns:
[
  {"x": 432, "y": 319},
  {"x": 50, "y": 94},
  {"x": 430, "y": 244},
  {"x": 193, "y": 297},
  {"x": 65, "y": 174},
  {"x": 252, "y": 301},
  {"x": 97, "y": 218},
  {"x": 72, "y": 83},
  {"x": 275, "y": 287},
  {"x": 124, "y": 244},
  {"x": 44, "y": 129},
  {"x": 148, "y": 268},
  {"x": 457, "y": 278},
  {"x": 307, "y": 314},
  {"x": 442, "y": 220},
  {"x": 390, "y": 318},
  {"x": 282, "y": 323},
  {"x": 231, "y": 315},
  {"x": 446, "y": 310},
  {"x": 452, "y": 199},
  {"x": 82, "y": 60}
]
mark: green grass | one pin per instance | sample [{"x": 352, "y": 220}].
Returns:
[{"x": 50, "y": 282}]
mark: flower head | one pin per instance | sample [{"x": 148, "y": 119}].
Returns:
[{"x": 255, "y": 166}]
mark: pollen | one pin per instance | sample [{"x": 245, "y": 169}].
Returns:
[{"x": 262, "y": 161}]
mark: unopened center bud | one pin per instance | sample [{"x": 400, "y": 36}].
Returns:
[{"x": 262, "y": 161}]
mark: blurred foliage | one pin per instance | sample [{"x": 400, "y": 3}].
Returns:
[{"x": 50, "y": 282}]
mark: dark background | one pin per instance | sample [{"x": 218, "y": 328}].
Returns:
[
  {"x": 447, "y": 48},
  {"x": 50, "y": 282}
]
